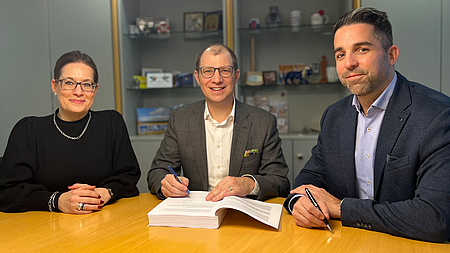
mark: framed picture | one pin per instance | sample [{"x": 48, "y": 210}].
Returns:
[
  {"x": 315, "y": 67},
  {"x": 193, "y": 21},
  {"x": 213, "y": 21},
  {"x": 146, "y": 25},
  {"x": 270, "y": 77}
]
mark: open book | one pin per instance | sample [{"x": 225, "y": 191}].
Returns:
[{"x": 195, "y": 212}]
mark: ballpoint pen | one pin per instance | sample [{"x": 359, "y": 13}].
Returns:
[
  {"x": 177, "y": 178},
  {"x": 313, "y": 201}
]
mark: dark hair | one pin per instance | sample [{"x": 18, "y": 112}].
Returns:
[
  {"x": 371, "y": 16},
  {"x": 217, "y": 49},
  {"x": 74, "y": 57}
]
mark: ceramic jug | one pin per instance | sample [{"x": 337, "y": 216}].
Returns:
[{"x": 318, "y": 19}]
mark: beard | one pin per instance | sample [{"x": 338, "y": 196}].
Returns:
[
  {"x": 366, "y": 84},
  {"x": 359, "y": 86}
]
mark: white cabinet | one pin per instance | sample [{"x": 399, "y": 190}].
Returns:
[
  {"x": 302, "y": 153},
  {"x": 145, "y": 149},
  {"x": 297, "y": 151}
]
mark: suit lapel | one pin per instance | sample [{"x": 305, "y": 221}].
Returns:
[
  {"x": 198, "y": 135},
  {"x": 347, "y": 125},
  {"x": 241, "y": 132},
  {"x": 393, "y": 122}
]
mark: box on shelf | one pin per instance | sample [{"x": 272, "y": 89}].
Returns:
[
  {"x": 145, "y": 128},
  {"x": 140, "y": 81},
  {"x": 185, "y": 80},
  {"x": 159, "y": 80}
]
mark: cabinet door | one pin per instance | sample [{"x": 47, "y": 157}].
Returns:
[
  {"x": 416, "y": 26},
  {"x": 286, "y": 145},
  {"x": 302, "y": 153}
]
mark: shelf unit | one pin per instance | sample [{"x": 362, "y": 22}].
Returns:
[
  {"x": 172, "y": 52},
  {"x": 303, "y": 45}
]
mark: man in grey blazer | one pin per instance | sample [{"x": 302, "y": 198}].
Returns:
[
  {"x": 220, "y": 144},
  {"x": 382, "y": 159}
]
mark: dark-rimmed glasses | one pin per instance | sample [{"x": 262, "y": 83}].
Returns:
[
  {"x": 208, "y": 72},
  {"x": 67, "y": 84}
]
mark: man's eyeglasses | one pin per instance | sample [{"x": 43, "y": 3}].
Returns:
[
  {"x": 208, "y": 72},
  {"x": 67, "y": 84}
]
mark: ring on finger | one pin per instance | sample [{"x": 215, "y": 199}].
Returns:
[{"x": 80, "y": 206}]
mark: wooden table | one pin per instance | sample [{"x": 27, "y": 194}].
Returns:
[{"x": 122, "y": 227}]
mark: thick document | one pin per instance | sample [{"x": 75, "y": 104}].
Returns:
[{"x": 195, "y": 212}]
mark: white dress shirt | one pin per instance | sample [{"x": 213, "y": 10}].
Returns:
[{"x": 219, "y": 136}]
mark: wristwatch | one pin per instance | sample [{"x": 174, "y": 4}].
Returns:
[{"x": 110, "y": 192}]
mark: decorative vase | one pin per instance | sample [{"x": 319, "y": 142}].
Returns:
[{"x": 273, "y": 19}]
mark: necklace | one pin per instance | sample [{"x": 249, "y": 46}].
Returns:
[{"x": 70, "y": 137}]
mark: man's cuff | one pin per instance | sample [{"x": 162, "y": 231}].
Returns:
[
  {"x": 292, "y": 201},
  {"x": 255, "y": 190}
]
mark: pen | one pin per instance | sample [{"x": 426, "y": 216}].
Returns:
[
  {"x": 310, "y": 196},
  {"x": 177, "y": 178}
]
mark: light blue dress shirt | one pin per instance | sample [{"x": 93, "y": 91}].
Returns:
[{"x": 367, "y": 132}]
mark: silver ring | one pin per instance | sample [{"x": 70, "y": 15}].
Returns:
[
  {"x": 229, "y": 188},
  {"x": 80, "y": 206}
]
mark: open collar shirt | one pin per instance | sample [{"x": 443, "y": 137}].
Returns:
[{"x": 367, "y": 132}]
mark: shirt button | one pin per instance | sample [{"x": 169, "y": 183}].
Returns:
[
  {"x": 369, "y": 129},
  {"x": 369, "y": 183},
  {"x": 218, "y": 146},
  {"x": 218, "y": 166},
  {"x": 367, "y": 155}
]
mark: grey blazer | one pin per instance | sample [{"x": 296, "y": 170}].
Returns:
[
  {"x": 412, "y": 164},
  {"x": 184, "y": 148}
]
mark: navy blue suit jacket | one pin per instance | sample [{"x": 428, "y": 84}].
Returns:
[{"x": 412, "y": 164}]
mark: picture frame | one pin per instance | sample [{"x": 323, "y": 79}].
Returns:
[
  {"x": 193, "y": 21},
  {"x": 213, "y": 21},
  {"x": 315, "y": 66},
  {"x": 146, "y": 25},
  {"x": 270, "y": 77}
]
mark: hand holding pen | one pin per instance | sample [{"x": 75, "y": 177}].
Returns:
[
  {"x": 314, "y": 202},
  {"x": 173, "y": 186}
]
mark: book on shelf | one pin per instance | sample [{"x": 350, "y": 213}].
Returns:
[{"x": 195, "y": 212}]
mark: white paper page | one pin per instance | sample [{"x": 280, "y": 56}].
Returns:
[
  {"x": 267, "y": 213},
  {"x": 193, "y": 205}
]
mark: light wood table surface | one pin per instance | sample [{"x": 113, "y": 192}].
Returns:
[{"x": 122, "y": 227}]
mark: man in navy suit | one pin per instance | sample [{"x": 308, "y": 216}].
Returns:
[{"x": 382, "y": 159}]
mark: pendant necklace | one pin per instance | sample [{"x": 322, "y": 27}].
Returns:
[{"x": 70, "y": 137}]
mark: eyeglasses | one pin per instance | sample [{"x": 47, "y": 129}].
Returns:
[
  {"x": 208, "y": 72},
  {"x": 67, "y": 84}
]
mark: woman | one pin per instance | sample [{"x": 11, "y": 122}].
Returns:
[{"x": 75, "y": 160}]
